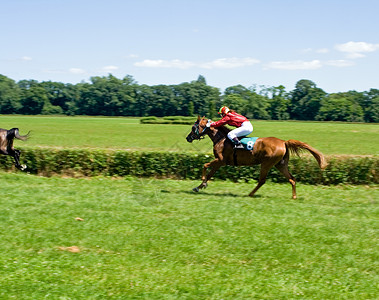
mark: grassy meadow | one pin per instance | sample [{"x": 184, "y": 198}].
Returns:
[
  {"x": 130, "y": 238},
  {"x": 127, "y": 133},
  {"x": 145, "y": 238}
]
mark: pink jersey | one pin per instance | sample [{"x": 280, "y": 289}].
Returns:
[{"x": 232, "y": 119}]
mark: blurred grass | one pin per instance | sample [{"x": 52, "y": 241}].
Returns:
[
  {"x": 128, "y": 133},
  {"x": 154, "y": 239}
]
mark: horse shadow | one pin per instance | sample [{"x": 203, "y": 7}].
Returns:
[{"x": 222, "y": 195}]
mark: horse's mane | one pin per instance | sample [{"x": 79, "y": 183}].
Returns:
[{"x": 223, "y": 129}]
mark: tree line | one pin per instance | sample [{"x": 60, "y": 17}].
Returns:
[{"x": 111, "y": 96}]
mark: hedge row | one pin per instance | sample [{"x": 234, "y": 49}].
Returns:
[
  {"x": 90, "y": 162},
  {"x": 168, "y": 120}
]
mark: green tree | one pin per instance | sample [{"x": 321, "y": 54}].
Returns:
[
  {"x": 306, "y": 100},
  {"x": 107, "y": 96},
  {"x": 163, "y": 102},
  {"x": 236, "y": 102},
  {"x": 212, "y": 112},
  {"x": 196, "y": 92},
  {"x": 49, "y": 109},
  {"x": 33, "y": 100},
  {"x": 370, "y": 106},
  {"x": 9, "y": 96},
  {"x": 279, "y": 104},
  {"x": 144, "y": 103},
  {"x": 338, "y": 107},
  {"x": 247, "y": 102},
  {"x": 191, "y": 109},
  {"x": 63, "y": 97},
  {"x": 373, "y": 116},
  {"x": 201, "y": 80},
  {"x": 27, "y": 84}
]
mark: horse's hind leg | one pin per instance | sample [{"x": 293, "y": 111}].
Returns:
[
  {"x": 215, "y": 165},
  {"x": 16, "y": 156},
  {"x": 282, "y": 166}
]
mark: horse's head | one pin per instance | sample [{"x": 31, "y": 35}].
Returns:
[{"x": 199, "y": 129}]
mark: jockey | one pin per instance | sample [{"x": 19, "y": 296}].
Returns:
[{"x": 230, "y": 117}]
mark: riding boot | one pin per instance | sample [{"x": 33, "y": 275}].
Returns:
[{"x": 237, "y": 143}]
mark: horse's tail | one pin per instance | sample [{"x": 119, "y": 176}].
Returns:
[
  {"x": 13, "y": 133},
  {"x": 296, "y": 147}
]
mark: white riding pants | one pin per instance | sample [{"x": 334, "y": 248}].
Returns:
[{"x": 245, "y": 129}]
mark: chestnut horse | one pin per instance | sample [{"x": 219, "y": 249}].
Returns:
[
  {"x": 268, "y": 152},
  {"x": 6, "y": 145}
]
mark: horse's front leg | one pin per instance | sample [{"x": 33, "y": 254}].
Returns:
[{"x": 215, "y": 165}]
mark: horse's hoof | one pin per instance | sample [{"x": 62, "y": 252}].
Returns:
[{"x": 196, "y": 189}]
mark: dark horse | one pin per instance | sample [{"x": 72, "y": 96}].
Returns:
[
  {"x": 268, "y": 152},
  {"x": 6, "y": 145}
]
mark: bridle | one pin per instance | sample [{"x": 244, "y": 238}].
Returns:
[{"x": 196, "y": 134}]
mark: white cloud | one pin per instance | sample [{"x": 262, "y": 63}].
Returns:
[
  {"x": 340, "y": 63},
  {"x": 160, "y": 63},
  {"x": 355, "y": 55},
  {"x": 221, "y": 63},
  {"x": 295, "y": 65},
  {"x": 356, "y": 49},
  {"x": 76, "y": 71},
  {"x": 308, "y": 65},
  {"x": 322, "y": 50},
  {"x": 26, "y": 58},
  {"x": 310, "y": 50},
  {"x": 229, "y": 63},
  {"x": 109, "y": 69}
]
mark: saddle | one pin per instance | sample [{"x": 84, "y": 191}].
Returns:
[
  {"x": 247, "y": 142},
  {"x": 247, "y": 145}
]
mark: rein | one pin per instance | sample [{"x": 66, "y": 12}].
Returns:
[{"x": 200, "y": 135}]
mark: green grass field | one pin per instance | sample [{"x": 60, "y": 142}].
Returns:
[
  {"x": 154, "y": 239},
  {"x": 128, "y": 133}
]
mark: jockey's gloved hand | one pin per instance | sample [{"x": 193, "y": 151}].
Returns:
[{"x": 208, "y": 124}]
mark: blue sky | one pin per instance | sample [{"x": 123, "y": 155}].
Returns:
[{"x": 333, "y": 43}]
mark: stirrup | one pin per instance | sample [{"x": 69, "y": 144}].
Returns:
[{"x": 238, "y": 146}]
